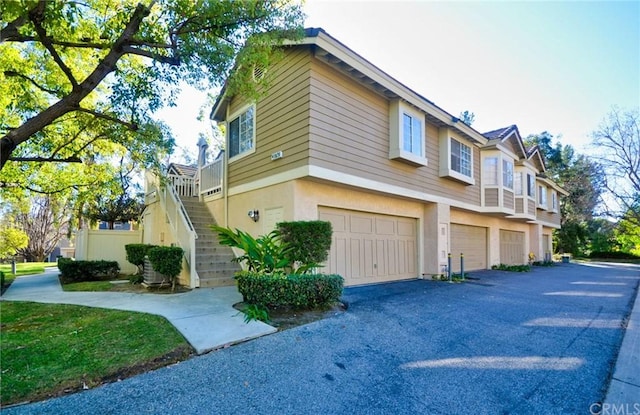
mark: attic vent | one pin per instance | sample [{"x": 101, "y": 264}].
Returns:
[{"x": 258, "y": 72}]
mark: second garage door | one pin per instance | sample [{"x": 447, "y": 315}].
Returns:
[
  {"x": 368, "y": 248},
  {"x": 470, "y": 241},
  {"x": 512, "y": 247}
]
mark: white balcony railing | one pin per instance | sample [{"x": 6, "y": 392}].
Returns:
[{"x": 211, "y": 178}]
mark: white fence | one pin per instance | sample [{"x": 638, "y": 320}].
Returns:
[
  {"x": 211, "y": 178},
  {"x": 108, "y": 245}
]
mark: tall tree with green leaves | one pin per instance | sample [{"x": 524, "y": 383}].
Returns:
[
  {"x": 583, "y": 178},
  {"x": 78, "y": 76}
]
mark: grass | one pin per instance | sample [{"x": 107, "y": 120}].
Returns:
[
  {"x": 88, "y": 286},
  {"x": 26, "y": 268},
  {"x": 51, "y": 349}
]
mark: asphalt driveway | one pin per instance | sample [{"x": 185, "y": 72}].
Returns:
[{"x": 539, "y": 342}]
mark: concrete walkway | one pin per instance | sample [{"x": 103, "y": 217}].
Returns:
[{"x": 204, "y": 316}]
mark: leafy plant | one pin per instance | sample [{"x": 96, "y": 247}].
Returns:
[
  {"x": 302, "y": 291},
  {"x": 136, "y": 254},
  {"x": 266, "y": 254},
  {"x": 167, "y": 260},
  {"x": 310, "y": 241},
  {"x": 77, "y": 271},
  {"x": 512, "y": 268},
  {"x": 256, "y": 312}
]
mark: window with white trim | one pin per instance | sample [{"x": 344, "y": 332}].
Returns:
[
  {"x": 517, "y": 183},
  {"x": 542, "y": 196},
  {"x": 242, "y": 133},
  {"x": 507, "y": 174},
  {"x": 490, "y": 175},
  {"x": 531, "y": 186},
  {"x": 554, "y": 201},
  {"x": 460, "y": 157},
  {"x": 407, "y": 134}
]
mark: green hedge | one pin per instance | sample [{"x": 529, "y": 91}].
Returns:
[
  {"x": 78, "y": 271},
  {"x": 301, "y": 291},
  {"x": 613, "y": 255},
  {"x": 166, "y": 260},
  {"x": 309, "y": 241},
  {"x": 136, "y": 253}
]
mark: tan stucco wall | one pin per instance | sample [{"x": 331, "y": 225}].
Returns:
[{"x": 107, "y": 245}]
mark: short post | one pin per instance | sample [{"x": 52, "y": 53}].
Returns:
[
  {"x": 13, "y": 266},
  {"x": 449, "y": 265},
  {"x": 462, "y": 266}
]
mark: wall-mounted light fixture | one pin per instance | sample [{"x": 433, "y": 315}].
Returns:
[{"x": 254, "y": 214}]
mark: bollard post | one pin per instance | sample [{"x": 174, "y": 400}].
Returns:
[
  {"x": 13, "y": 266},
  {"x": 449, "y": 265},
  {"x": 462, "y": 266}
]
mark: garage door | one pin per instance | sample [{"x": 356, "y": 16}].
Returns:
[
  {"x": 512, "y": 247},
  {"x": 472, "y": 242},
  {"x": 368, "y": 248}
]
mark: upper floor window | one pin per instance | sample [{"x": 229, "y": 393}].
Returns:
[
  {"x": 460, "y": 158},
  {"x": 407, "y": 132},
  {"x": 242, "y": 133},
  {"x": 531, "y": 186},
  {"x": 507, "y": 174},
  {"x": 517, "y": 183},
  {"x": 554, "y": 201},
  {"x": 412, "y": 134},
  {"x": 491, "y": 170},
  {"x": 542, "y": 196}
]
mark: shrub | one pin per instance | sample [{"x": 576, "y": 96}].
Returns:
[
  {"x": 310, "y": 241},
  {"x": 79, "y": 271},
  {"x": 613, "y": 255},
  {"x": 266, "y": 254},
  {"x": 136, "y": 254},
  {"x": 167, "y": 260},
  {"x": 302, "y": 291},
  {"x": 513, "y": 268}
]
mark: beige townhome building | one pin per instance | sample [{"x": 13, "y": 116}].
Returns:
[{"x": 403, "y": 182}]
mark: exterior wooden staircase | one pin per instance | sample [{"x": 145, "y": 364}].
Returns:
[{"x": 213, "y": 261}]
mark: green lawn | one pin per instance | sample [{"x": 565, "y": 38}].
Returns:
[
  {"x": 26, "y": 268},
  {"x": 49, "y": 348}
]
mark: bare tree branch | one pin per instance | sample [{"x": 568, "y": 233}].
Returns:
[
  {"x": 72, "y": 159},
  {"x": 129, "y": 125},
  {"x": 155, "y": 56}
]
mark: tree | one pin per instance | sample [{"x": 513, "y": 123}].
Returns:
[
  {"x": 45, "y": 220},
  {"x": 618, "y": 143},
  {"x": 467, "y": 117},
  {"x": 12, "y": 240},
  {"x": 583, "y": 178},
  {"x": 76, "y": 75}
]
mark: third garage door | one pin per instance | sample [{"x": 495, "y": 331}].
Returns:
[
  {"x": 470, "y": 241},
  {"x": 368, "y": 248}
]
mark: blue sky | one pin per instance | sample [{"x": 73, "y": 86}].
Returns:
[{"x": 554, "y": 66}]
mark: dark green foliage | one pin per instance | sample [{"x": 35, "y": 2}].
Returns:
[
  {"x": 302, "y": 291},
  {"x": 79, "y": 271},
  {"x": 613, "y": 255},
  {"x": 255, "y": 312},
  {"x": 167, "y": 260},
  {"x": 512, "y": 268},
  {"x": 543, "y": 263},
  {"x": 136, "y": 254},
  {"x": 310, "y": 241}
]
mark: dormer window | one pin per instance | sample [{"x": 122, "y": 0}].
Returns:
[
  {"x": 490, "y": 174},
  {"x": 507, "y": 174},
  {"x": 517, "y": 183},
  {"x": 407, "y": 134}
]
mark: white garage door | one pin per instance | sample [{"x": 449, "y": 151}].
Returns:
[
  {"x": 470, "y": 241},
  {"x": 368, "y": 248},
  {"x": 512, "y": 247}
]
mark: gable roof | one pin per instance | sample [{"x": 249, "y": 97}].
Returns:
[
  {"x": 182, "y": 170},
  {"x": 339, "y": 56},
  {"x": 507, "y": 137}
]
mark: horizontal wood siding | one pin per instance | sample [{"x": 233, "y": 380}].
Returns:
[
  {"x": 531, "y": 206},
  {"x": 507, "y": 197},
  {"x": 282, "y": 121},
  {"x": 512, "y": 145},
  {"x": 349, "y": 133},
  {"x": 549, "y": 217},
  {"x": 519, "y": 205},
  {"x": 491, "y": 197}
]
